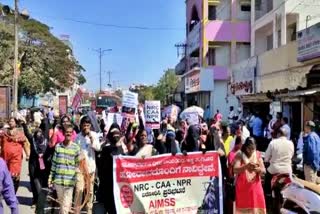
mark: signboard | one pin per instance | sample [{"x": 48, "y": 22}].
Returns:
[
  {"x": 5, "y": 101},
  {"x": 168, "y": 184},
  {"x": 171, "y": 111},
  {"x": 309, "y": 43},
  {"x": 113, "y": 118},
  {"x": 192, "y": 82},
  {"x": 243, "y": 77},
  {"x": 129, "y": 104},
  {"x": 77, "y": 99},
  {"x": 193, "y": 39},
  {"x": 63, "y": 105},
  {"x": 153, "y": 114}
]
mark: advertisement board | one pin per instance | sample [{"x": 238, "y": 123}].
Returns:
[
  {"x": 63, "y": 105},
  {"x": 192, "y": 82},
  {"x": 309, "y": 43},
  {"x": 5, "y": 100},
  {"x": 186, "y": 184}
]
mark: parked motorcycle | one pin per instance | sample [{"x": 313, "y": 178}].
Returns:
[{"x": 296, "y": 195}]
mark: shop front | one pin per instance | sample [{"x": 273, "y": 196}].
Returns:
[{"x": 199, "y": 85}]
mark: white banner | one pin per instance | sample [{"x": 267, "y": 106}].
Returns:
[
  {"x": 152, "y": 114},
  {"x": 177, "y": 184},
  {"x": 129, "y": 103}
]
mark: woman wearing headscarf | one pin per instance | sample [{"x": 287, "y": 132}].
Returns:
[
  {"x": 248, "y": 166},
  {"x": 37, "y": 163},
  {"x": 111, "y": 148},
  {"x": 12, "y": 143}
]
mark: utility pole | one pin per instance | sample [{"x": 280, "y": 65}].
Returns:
[
  {"x": 109, "y": 76},
  {"x": 101, "y": 53},
  {"x": 16, "y": 54}
]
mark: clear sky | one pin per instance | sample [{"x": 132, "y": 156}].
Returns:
[{"x": 138, "y": 56}]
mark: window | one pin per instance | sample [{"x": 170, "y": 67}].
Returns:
[
  {"x": 246, "y": 8},
  {"x": 211, "y": 56},
  {"x": 269, "y": 6},
  {"x": 293, "y": 29},
  {"x": 212, "y": 12},
  {"x": 269, "y": 42},
  {"x": 258, "y": 4}
]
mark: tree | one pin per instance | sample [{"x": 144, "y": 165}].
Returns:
[
  {"x": 46, "y": 63},
  {"x": 166, "y": 85}
]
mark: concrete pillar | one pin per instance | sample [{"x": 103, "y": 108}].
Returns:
[
  {"x": 274, "y": 31},
  {"x": 283, "y": 29},
  {"x": 253, "y": 14}
]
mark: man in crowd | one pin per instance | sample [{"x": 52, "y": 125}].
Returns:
[
  {"x": 207, "y": 114},
  {"x": 279, "y": 154},
  {"x": 232, "y": 115},
  {"x": 277, "y": 125},
  {"x": 89, "y": 144},
  {"x": 311, "y": 153},
  {"x": 257, "y": 131},
  {"x": 285, "y": 125},
  {"x": 65, "y": 164}
]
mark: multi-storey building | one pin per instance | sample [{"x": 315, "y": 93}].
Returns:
[
  {"x": 282, "y": 70},
  {"x": 217, "y": 35}
]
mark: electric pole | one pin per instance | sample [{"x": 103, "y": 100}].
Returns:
[
  {"x": 16, "y": 54},
  {"x": 101, "y": 54},
  {"x": 109, "y": 76}
]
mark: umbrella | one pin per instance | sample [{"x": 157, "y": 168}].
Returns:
[{"x": 192, "y": 109}]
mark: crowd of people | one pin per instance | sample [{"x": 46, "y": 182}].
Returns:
[{"x": 78, "y": 163}]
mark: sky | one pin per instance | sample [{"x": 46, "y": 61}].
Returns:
[{"x": 137, "y": 56}]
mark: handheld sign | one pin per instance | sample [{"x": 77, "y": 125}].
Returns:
[{"x": 153, "y": 114}]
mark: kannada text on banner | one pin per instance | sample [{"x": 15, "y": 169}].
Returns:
[{"x": 168, "y": 184}]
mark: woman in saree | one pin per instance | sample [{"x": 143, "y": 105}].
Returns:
[{"x": 248, "y": 167}]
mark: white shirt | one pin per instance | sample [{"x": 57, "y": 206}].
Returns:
[
  {"x": 288, "y": 130},
  {"x": 231, "y": 116},
  {"x": 88, "y": 149},
  {"x": 279, "y": 153},
  {"x": 37, "y": 116}
]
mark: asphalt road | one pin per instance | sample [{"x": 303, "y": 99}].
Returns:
[{"x": 24, "y": 193}]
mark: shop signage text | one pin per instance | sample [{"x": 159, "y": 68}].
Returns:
[{"x": 309, "y": 43}]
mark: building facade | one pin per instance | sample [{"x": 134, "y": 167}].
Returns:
[
  {"x": 217, "y": 36},
  {"x": 285, "y": 43}
]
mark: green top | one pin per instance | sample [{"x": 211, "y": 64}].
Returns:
[{"x": 65, "y": 163}]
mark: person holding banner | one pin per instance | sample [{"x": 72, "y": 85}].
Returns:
[{"x": 248, "y": 166}]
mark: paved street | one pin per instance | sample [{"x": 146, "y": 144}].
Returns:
[{"x": 24, "y": 193}]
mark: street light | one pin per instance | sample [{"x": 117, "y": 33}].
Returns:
[{"x": 101, "y": 53}]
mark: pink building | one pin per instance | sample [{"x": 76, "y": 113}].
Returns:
[{"x": 217, "y": 36}]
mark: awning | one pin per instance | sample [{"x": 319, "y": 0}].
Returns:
[{"x": 300, "y": 93}]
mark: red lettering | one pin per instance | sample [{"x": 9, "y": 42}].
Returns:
[{"x": 160, "y": 203}]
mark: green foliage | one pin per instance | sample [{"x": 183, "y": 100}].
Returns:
[
  {"x": 47, "y": 64},
  {"x": 166, "y": 85}
]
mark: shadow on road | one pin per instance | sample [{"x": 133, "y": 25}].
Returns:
[{"x": 25, "y": 200}]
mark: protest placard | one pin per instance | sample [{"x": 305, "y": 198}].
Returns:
[
  {"x": 152, "y": 114},
  {"x": 168, "y": 184},
  {"x": 191, "y": 117},
  {"x": 129, "y": 104}
]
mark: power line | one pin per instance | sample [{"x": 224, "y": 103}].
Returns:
[{"x": 111, "y": 25}]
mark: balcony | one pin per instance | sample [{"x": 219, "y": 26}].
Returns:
[
  {"x": 279, "y": 69},
  {"x": 181, "y": 67},
  {"x": 193, "y": 39},
  {"x": 227, "y": 31}
]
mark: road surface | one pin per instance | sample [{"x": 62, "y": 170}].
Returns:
[{"x": 24, "y": 193}]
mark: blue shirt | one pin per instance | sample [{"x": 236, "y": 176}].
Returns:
[
  {"x": 311, "y": 151},
  {"x": 7, "y": 189},
  {"x": 257, "y": 127}
]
